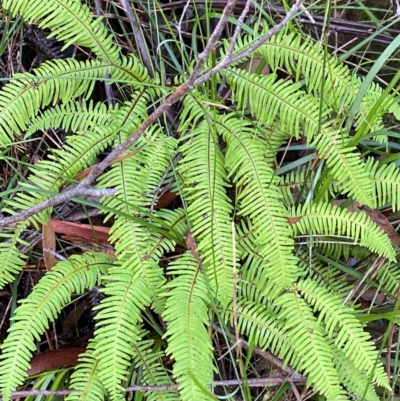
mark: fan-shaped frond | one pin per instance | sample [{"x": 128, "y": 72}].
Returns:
[
  {"x": 71, "y": 21},
  {"x": 22, "y": 98},
  {"x": 187, "y": 316},
  {"x": 258, "y": 199},
  {"x": 204, "y": 187},
  {"x": 85, "y": 380},
  {"x": 332, "y": 220},
  {"x": 73, "y": 116},
  {"x": 341, "y": 324},
  {"x": 307, "y": 337},
  {"x": 117, "y": 322},
  {"x": 42, "y": 306}
]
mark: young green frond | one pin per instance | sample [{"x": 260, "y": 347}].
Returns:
[
  {"x": 42, "y": 306},
  {"x": 186, "y": 314}
]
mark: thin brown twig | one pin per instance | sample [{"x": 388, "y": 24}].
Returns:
[
  {"x": 182, "y": 90},
  {"x": 260, "y": 382}
]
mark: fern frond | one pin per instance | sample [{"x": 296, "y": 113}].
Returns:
[
  {"x": 11, "y": 259},
  {"x": 42, "y": 306},
  {"x": 152, "y": 370},
  {"x": 342, "y": 325},
  {"x": 389, "y": 277},
  {"x": 117, "y": 322},
  {"x": 258, "y": 199},
  {"x": 331, "y": 220},
  {"x": 22, "y": 98},
  {"x": 204, "y": 187},
  {"x": 385, "y": 179},
  {"x": 72, "y": 116},
  {"x": 71, "y": 21},
  {"x": 84, "y": 379},
  {"x": 306, "y": 335},
  {"x": 187, "y": 316}
]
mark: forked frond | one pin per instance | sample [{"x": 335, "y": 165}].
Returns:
[
  {"x": 42, "y": 307},
  {"x": 71, "y": 21},
  {"x": 186, "y": 314}
]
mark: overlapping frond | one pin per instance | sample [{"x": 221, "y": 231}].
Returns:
[
  {"x": 258, "y": 199},
  {"x": 341, "y": 324},
  {"x": 42, "y": 306},
  {"x": 204, "y": 181},
  {"x": 71, "y": 21},
  {"x": 331, "y": 220},
  {"x": 186, "y": 314}
]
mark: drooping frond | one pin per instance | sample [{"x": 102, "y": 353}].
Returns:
[
  {"x": 27, "y": 93},
  {"x": 322, "y": 218},
  {"x": 42, "y": 306},
  {"x": 341, "y": 324},
  {"x": 73, "y": 116},
  {"x": 85, "y": 380},
  {"x": 71, "y": 21},
  {"x": 119, "y": 316},
  {"x": 258, "y": 199},
  {"x": 270, "y": 99},
  {"x": 385, "y": 181},
  {"x": 204, "y": 184},
  {"x": 306, "y": 334},
  {"x": 187, "y": 316}
]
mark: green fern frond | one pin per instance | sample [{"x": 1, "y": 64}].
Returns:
[
  {"x": 72, "y": 116},
  {"x": 187, "y": 317},
  {"x": 305, "y": 59},
  {"x": 42, "y": 306},
  {"x": 385, "y": 179},
  {"x": 71, "y": 21},
  {"x": 84, "y": 379},
  {"x": 309, "y": 342},
  {"x": 153, "y": 372},
  {"x": 341, "y": 324},
  {"x": 355, "y": 381},
  {"x": 11, "y": 259},
  {"x": 49, "y": 176},
  {"x": 26, "y": 94},
  {"x": 258, "y": 199},
  {"x": 204, "y": 187},
  {"x": 331, "y": 220},
  {"x": 119, "y": 315},
  {"x": 389, "y": 278}
]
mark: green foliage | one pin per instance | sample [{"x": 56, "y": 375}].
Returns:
[{"x": 247, "y": 220}]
